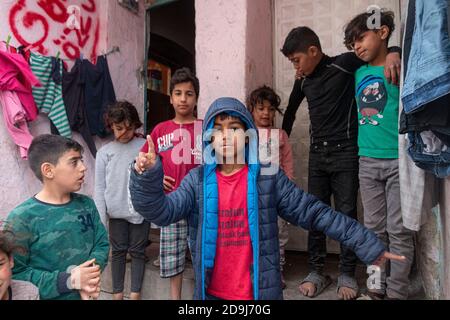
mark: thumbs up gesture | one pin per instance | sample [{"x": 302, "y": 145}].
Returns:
[{"x": 147, "y": 160}]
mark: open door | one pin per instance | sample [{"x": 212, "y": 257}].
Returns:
[{"x": 169, "y": 45}]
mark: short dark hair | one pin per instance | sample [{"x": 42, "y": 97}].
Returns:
[
  {"x": 225, "y": 115},
  {"x": 49, "y": 148},
  {"x": 358, "y": 25},
  {"x": 299, "y": 40},
  {"x": 123, "y": 111},
  {"x": 185, "y": 75},
  {"x": 8, "y": 242},
  {"x": 264, "y": 93}
]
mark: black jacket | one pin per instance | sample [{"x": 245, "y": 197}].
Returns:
[{"x": 330, "y": 92}]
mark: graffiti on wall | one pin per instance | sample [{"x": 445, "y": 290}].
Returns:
[{"x": 43, "y": 24}]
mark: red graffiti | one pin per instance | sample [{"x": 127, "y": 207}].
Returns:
[
  {"x": 71, "y": 41},
  {"x": 90, "y": 8},
  {"x": 55, "y": 10},
  {"x": 29, "y": 19}
]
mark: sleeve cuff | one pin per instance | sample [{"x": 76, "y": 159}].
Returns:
[
  {"x": 395, "y": 49},
  {"x": 64, "y": 283}
]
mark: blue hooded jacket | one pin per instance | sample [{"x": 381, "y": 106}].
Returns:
[{"x": 267, "y": 197}]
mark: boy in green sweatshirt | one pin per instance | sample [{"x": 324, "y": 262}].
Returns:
[{"x": 66, "y": 243}]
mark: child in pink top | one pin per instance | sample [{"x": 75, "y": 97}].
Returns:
[{"x": 263, "y": 103}]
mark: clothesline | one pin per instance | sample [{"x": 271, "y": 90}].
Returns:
[
  {"x": 111, "y": 51},
  {"x": 32, "y": 83}
]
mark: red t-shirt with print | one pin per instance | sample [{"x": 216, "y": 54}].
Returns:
[
  {"x": 179, "y": 147},
  {"x": 230, "y": 278}
]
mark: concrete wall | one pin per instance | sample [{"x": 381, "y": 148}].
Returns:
[
  {"x": 259, "y": 57},
  {"x": 233, "y": 48},
  {"x": 445, "y": 223},
  {"x": 110, "y": 25},
  {"x": 126, "y": 30}
]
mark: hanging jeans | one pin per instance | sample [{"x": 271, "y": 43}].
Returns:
[
  {"x": 429, "y": 153},
  {"x": 428, "y": 75}
]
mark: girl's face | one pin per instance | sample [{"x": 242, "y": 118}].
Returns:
[
  {"x": 123, "y": 132},
  {"x": 263, "y": 114},
  {"x": 6, "y": 264},
  {"x": 184, "y": 99}
]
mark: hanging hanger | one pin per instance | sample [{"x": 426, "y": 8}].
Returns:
[
  {"x": 57, "y": 55},
  {"x": 113, "y": 49}
]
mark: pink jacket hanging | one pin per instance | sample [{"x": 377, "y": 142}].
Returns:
[
  {"x": 15, "y": 120},
  {"x": 16, "y": 100},
  {"x": 16, "y": 75}
]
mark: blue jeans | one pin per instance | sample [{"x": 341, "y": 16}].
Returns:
[
  {"x": 428, "y": 65},
  {"x": 333, "y": 170},
  {"x": 437, "y": 161}
]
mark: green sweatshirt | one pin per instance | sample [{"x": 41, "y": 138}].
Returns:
[{"x": 57, "y": 237}]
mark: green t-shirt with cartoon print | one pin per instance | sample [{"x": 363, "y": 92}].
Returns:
[{"x": 377, "y": 102}]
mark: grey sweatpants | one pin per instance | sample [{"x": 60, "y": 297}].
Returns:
[{"x": 380, "y": 194}]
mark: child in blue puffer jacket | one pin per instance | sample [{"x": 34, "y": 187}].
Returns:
[{"x": 232, "y": 203}]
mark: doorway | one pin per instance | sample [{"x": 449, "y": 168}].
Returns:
[{"x": 170, "y": 41}]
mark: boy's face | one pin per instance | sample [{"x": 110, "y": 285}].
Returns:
[
  {"x": 229, "y": 140},
  {"x": 68, "y": 174},
  {"x": 184, "y": 99},
  {"x": 123, "y": 132},
  {"x": 6, "y": 265},
  {"x": 305, "y": 63},
  {"x": 263, "y": 114},
  {"x": 368, "y": 45}
]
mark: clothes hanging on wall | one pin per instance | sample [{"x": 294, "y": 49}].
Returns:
[
  {"x": 419, "y": 189},
  {"x": 74, "y": 101},
  {"x": 49, "y": 97},
  {"x": 16, "y": 99},
  {"x": 426, "y": 90},
  {"x": 99, "y": 94},
  {"x": 23, "y": 79},
  {"x": 428, "y": 66}
]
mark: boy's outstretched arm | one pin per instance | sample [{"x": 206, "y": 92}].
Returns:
[
  {"x": 147, "y": 194},
  {"x": 392, "y": 67},
  {"x": 305, "y": 210}
]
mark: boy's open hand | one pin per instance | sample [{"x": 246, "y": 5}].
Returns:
[
  {"x": 146, "y": 160},
  {"x": 388, "y": 256}
]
